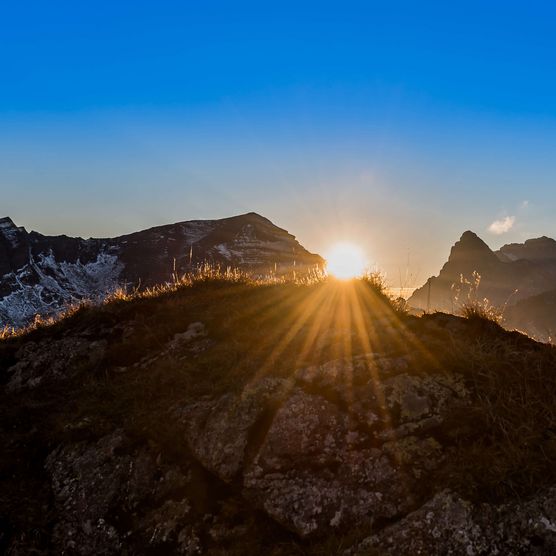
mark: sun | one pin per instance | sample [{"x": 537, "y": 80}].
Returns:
[{"x": 345, "y": 261}]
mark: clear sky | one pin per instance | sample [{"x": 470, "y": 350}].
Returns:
[{"x": 394, "y": 124}]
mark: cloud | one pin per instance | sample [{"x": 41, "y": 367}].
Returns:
[
  {"x": 502, "y": 226},
  {"x": 524, "y": 204}
]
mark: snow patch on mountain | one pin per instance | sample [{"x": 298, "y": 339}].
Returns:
[{"x": 46, "y": 286}]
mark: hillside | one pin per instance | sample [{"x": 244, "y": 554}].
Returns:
[
  {"x": 229, "y": 417},
  {"x": 44, "y": 274}
]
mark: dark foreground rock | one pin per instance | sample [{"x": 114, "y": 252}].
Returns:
[{"x": 305, "y": 460}]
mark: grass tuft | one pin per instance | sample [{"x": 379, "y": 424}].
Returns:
[{"x": 481, "y": 311}]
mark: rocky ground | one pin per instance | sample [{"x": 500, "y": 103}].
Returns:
[{"x": 230, "y": 418}]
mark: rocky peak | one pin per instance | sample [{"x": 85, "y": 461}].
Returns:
[
  {"x": 13, "y": 246},
  {"x": 471, "y": 248},
  {"x": 9, "y": 231}
]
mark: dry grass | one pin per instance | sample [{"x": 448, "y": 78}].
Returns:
[
  {"x": 481, "y": 311},
  {"x": 508, "y": 443},
  {"x": 204, "y": 274}
]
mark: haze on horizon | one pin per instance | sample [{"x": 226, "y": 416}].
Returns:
[{"x": 396, "y": 127}]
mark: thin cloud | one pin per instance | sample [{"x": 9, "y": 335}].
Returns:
[{"x": 502, "y": 226}]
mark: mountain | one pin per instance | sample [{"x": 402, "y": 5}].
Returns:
[
  {"x": 535, "y": 315},
  {"x": 515, "y": 272},
  {"x": 42, "y": 274},
  {"x": 540, "y": 249},
  {"x": 236, "y": 418}
]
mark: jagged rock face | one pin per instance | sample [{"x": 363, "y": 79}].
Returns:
[
  {"x": 41, "y": 274},
  {"x": 515, "y": 272}
]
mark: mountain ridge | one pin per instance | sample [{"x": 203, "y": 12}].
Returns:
[{"x": 42, "y": 274}]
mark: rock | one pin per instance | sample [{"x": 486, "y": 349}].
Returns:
[
  {"x": 217, "y": 431},
  {"x": 363, "y": 397},
  {"x": 442, "y": 526},
  {"x": 169, "y": 526},
  {"x": 383, "y": 396},
  {"x": 318, "y": 461},
  {"x": 359, "y": 370},
  {"x": 416, "y": 397},
  {"x": 449, "y": 525},
  {"x": 313, "y": 473},
  {"x": 85, "y": 481},
  {"x": 99, "y": 487},
  {"x": 48, "y": 360},
  {"x": 306, "y": 428},
  {"x": 194, "y": 330}
]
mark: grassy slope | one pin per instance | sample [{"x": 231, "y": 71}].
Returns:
[{"x": 503, "y": 446}]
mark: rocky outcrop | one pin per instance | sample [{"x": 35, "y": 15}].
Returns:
[
  {"x": 218, "y": 431},
  {"x": 319, "y": 461},
  {"x": 135, "y": 428}
]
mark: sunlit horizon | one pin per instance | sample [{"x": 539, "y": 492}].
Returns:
[{"x": 346, "y": 260}]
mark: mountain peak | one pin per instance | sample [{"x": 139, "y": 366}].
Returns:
[
  {"x": 10, "y": 231},
  {"x": 468, "y": 235},
  {"x": 470, "y": 247},
  {"x": 254, "y": 216},
  {"x": 7, "y": 222}
]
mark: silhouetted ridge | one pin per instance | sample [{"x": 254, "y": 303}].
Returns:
[{"x": 536, "y": 249}]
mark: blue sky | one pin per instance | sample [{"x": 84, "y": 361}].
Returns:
[{"x": 395, "y": 124}]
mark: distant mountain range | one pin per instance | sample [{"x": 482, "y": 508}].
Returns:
[
  {"x": 42, "y": 274},
  {"x": 520, "y": 277}
]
